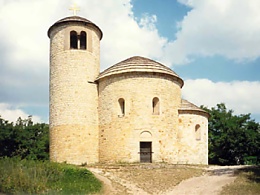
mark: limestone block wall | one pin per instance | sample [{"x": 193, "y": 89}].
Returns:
[
  {"x": 120, "y": 135},
  {"x": 73, "y": 96},
  {"x": 193, "y": 138}
]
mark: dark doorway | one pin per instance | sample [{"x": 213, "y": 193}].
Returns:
[{"x": 146, "y": 152}]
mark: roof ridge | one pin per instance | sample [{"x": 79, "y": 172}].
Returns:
[
  {"x": 75, "y": 19},
  {"x": 187, "y": 105},
  {"x": 138, "y": 64}
]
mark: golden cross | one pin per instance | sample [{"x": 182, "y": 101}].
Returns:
[{"x": 74, "y": 8}]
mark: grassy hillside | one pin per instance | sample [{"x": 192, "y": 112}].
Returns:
[
  {"x": 37, "y": 177},
  {"x": 247, "y": 182}
]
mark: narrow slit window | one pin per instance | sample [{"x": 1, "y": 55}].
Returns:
[
  {"x": 83, "y": 40},
  {"x": 156, "y": 106},
  {"x": 73, "y": 40},
  {"x": 121, "y": 102},
  {"x": 197, "y": 132}
]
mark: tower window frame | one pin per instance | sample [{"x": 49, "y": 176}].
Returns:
[
  {"x": 83, "y": 40},
  {"x": 78, "y": 41},
  {"x": 121, "y": 102},
  {"x": 198, "y": 132},
  {"x": 156, "y": 106},
  {"x": 73, "y": 40}
]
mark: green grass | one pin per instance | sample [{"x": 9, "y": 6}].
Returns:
[
  {"x": 36, "y": 177},
  {"x": 247, "y": 182}
]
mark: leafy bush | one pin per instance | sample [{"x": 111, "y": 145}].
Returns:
[
  {"x": 24, "y": 139},
  {"x": 251, "y": 160}
]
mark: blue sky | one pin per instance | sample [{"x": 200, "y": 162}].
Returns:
[
  {"x": 168, "y": 13},
  {"x": 213, "y": 45},
  {"x": 216, "y": 68}
]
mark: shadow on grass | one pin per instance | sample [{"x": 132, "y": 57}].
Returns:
[{"x": 252, "y": 173}]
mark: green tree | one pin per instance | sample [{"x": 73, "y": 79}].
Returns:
[
  {"x": 233, "y": 139},
  {"x": 7, "y": 138},
  {"x": 24, "y": 139}
]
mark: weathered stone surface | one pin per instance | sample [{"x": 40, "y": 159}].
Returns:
[
  {"x": 120, "y": 136},
  {"x": 103, "y": 117},
  {"x": 73, "y": 96}
]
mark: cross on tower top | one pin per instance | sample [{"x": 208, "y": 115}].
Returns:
[{"x": 75, "y": 9}]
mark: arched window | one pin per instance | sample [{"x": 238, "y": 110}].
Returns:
[
  {"x": 83, "y": 40},
  {"x": 197, "y": 132},
  {"x": 156, "y": 106},
  {"x": 73, "y": 40},
  {"x": 121, "y": 102}
]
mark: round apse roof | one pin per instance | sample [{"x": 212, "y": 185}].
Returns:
[
  {"x": 77, "y": 19},
  {"x": 139, "y": 64},
  {"x": 188, "y": 106}
]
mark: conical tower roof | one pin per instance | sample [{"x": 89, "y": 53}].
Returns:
[{"x": 75, "y": 19}]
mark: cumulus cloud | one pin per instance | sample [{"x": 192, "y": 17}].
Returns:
[
  {"x": 227, "y": 28},
  {"x": 24, "y": 25},
  {"x": 240, "y": 96},
  {"x": 124, "y": 36},
  {"x": 11, "y": 114},
  {"x": 24, "y": 45}
]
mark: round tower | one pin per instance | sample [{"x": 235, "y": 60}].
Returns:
[{"x": 74, "y": 66}]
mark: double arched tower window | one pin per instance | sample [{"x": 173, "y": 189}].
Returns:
[{"x": 78, "y": 41}]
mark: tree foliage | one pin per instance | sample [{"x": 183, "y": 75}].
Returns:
[
  {"x": 24, "y": 139},
  {"x": 233, "y": 139}
]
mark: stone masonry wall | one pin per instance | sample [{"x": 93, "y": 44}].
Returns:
[
  {"x": 193, "y": 138},
  {"x": 73, "y": 97},
  {"x": 120, "y": 135}
]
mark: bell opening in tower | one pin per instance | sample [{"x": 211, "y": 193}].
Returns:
[
  {"x": 73, "y": 40},
  {"x": 83, "y": 40}
]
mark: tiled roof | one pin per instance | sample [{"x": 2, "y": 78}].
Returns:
[
  {"x": 75, "y": 19},
  {"x": 138, "y": 64},
  {"x": 188, "y": 106}
]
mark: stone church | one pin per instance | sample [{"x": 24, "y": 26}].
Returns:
[{"x": 131, "y": 112}]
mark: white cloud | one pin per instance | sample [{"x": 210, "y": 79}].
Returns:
[
  {"x": 24, "y": 25},
  {"x": 24, "y": 45},
  {"x": 224, "y": 27},
  {"x": 124, "y": 36},
  {"x": 25, "y": 31},
  {"x": 240, "y": 96},
  {"x": 11, "y": 114}
]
